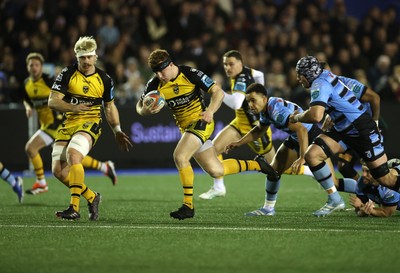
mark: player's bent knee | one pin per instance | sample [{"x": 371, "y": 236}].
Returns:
[
  {"x": 273, "y": 178},
  {"x": 325, "y": 148},
  {"x": 216, "y": 172},
  {"x": 180, "y": 160},
  {"x": 58, "y": 174},
  {"x": 57, "y": 171},
  {"x": 311, "y": 155},
  {"x": 214, "y": 168}
]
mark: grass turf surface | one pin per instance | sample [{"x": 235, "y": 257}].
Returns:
[{"x": 134, "y": 232}]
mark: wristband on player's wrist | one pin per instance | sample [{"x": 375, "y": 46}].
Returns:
[{"x": 117, "y": 129}]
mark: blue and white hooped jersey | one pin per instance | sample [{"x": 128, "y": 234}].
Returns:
[
  {"x": 278, "y": 112},
  {"x": 379, "y": 194},
  {"x": 339, "y": 100},
  {"x": 358, "y": 89}
]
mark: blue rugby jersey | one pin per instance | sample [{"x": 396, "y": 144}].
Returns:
[
  {"x": 378, "y": 194},
  {"x": 278, "y": 112},
  {"x": 358, "y": 89},
  {"x": 339, "y": 100}
]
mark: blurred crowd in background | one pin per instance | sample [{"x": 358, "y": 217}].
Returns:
[{"x": 271, "y": 35}]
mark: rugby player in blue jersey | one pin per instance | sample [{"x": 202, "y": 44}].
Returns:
[
  {"x": 276, "y": 111},
  {"x": 371, "y": 101},
  {"x": 369, "y": 193},
  {"x": 352, "y": 128}
]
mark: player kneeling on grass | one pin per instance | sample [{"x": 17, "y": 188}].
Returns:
[{"x": 369, "y": 192}]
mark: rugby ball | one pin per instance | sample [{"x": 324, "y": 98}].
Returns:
[{"x": 155, "y": 99}]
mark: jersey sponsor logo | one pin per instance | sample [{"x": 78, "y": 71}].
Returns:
[
  {"x": 176, "y": 89},
  {"x": 240, "y": 86},
  {"x": 56, "y": 86},
  {"x": 199, "y": 73},
  {"x": 279, "y": 118},
  {"x": 86, "y": 125},
  {"x": 181, "y": 100},
  {"x": 89, "y": 102},
  {"x": 207, "y": 80},
  {"x": 59, "y": 77},
  {"x": 390, "y": 197},
  {"x": 368, "y": 154},
  {"x": 314, "y": 94},
  {"x": 356, "y": 89},
  {"x": 74, "y": 101}
]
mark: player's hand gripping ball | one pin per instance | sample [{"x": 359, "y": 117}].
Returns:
[{"x": 154, "y": 100}]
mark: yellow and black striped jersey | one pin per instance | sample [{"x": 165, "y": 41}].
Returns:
[
  {"x": 37, "y": 95},
  {"x": 78, "y": 88},
  {"x": 183, "y": 94},
  {"x": 239, "y": 84}
]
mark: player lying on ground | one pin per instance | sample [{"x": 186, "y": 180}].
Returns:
[{"x": 369, "y": 192}]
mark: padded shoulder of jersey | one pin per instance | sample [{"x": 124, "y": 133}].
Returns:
[
  {"x": 47, "y": 79},
  {"x": 197, "y": 77},
  {"x": 152, "y": 84},
  {"x": 104, "y": 76}
]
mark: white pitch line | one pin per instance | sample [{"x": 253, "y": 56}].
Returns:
[{"x": 200, "y": 228}]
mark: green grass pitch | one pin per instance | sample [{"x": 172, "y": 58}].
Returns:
[{"x": 134, "y": 232}]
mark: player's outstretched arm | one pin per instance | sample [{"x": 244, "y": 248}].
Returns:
[
  {"x": 312, "y": 115},
  {"x": 255, "y": 133},
  {"x": 112, "y": 116}
]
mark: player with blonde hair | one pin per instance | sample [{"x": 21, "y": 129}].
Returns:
[
  {"x": 81, "y": 91},
  {"x": 35, "y": 98}
]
